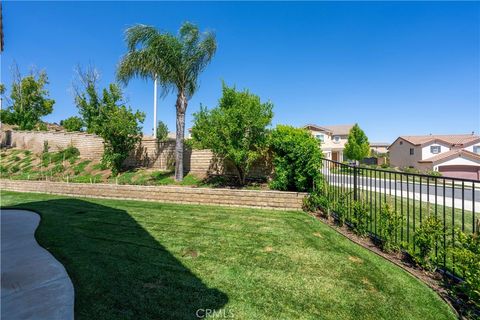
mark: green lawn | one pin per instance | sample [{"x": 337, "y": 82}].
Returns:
[{"x": 145, "y": 260}]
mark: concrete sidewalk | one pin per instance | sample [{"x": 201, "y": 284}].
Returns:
[{"x": 34, "y": 284}]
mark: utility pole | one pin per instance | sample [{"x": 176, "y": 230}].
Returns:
[{"x": 155, "y": 107}]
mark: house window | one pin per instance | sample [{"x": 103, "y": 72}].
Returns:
[
  {"x": 412, "y": 151},
  {"x": 320, "y": 137},
  {"x": 336, "y": 138},
  {"x": 476, "y": 149},
  {"x": 435, "y": 149}
]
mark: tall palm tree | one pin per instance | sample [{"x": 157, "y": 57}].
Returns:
[
  {"x": 176, "y": 61},
  {"x": 143, "y": 63}
]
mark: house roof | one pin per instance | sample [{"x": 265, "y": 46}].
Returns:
[
  {"x": 341, "y": 129},
  {"x": 454, "y": 153},
  {"x": 453, "y": 140},
  {"x": 379, "y": 144}
]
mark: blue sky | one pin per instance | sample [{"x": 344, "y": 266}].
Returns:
[{"x": 395, "y": 68}]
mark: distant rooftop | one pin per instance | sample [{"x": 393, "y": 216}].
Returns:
[
  {"x": 341, "y": 129},
  {"x": 379, "y": 144},
  {"x": 451, "y": 139}
]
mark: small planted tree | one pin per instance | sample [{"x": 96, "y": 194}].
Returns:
[
  {"x": 108, "y": 116},
  {"x": 357, "y": 146},
  {"x": 236, "y": 130},
  {"x": 121, "y": 133},
  {"x": 72, "y": 124},
  {"x": 297, "y": 159},
  {"x": 162, "y": 131},
  {"x": 29, "y": 101},
  {"x": 88, "y": 99}
]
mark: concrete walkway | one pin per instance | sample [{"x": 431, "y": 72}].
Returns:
[{"x": 34, "y": 284}]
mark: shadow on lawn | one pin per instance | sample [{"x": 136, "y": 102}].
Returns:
[{"x": 118, "y": 269}]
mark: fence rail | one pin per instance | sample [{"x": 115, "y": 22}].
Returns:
[{"x": 454, "y": 203}]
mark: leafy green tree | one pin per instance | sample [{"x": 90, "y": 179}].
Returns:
[
  {"x": 177, "y": 62},
  {"x": 235, "y": 130},
  {"x": 72, "y": 124},
  {"x": 87, "y": 98},
  {"x": 357, "y": 146},
  {"x": 29, "y": 100},
  {"x": 162, "y": 131},
  {"x": 107, "y": 115},
  {"x": 297, "y": 159},
  {"x": 121, "y": 133}
]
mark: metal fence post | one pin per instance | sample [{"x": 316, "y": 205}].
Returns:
[{"x": 355, "y": 173}]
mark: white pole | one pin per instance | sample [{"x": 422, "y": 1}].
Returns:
[{"x": 155, "y": 107}]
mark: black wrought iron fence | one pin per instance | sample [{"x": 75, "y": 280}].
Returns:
[{"x": 414, "y": 199}]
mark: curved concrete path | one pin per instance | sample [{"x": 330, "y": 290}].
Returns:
[{"x": 34, "y": 284}]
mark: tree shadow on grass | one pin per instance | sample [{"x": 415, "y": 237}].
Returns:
[{"x": 118, "y": 269}]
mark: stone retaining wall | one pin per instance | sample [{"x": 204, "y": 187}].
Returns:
[
  {"x": 278, "y": 200},
  {"x": 89, "y": 145},
  {"x": 148, "y": 154}
]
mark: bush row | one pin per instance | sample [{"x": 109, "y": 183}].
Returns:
[{"x": 464, "y": 247}]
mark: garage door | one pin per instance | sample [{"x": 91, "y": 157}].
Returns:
[{"x": 461, "y": 171}]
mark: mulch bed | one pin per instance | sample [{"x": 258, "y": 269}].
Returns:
[{"x": 435, "y": 280}]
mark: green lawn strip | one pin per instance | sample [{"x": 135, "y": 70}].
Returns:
[{"x": 146, "y": 260}]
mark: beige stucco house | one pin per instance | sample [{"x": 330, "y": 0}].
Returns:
[
  {"x": 451, "y": 155},
  {"x": 379, "y": 147},
  {"x": 332, "y": 138}
]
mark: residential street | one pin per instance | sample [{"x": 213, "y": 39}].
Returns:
[{"x": 470, "y": 196}]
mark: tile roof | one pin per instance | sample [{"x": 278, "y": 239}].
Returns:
[
  {"x": 452, "y": 154},
  {"x": 451, "y": 139},
  {"x": 342, "y": 129},
  {"x": 379, "y": 144}
]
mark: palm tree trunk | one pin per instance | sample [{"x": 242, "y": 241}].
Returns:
[{"x": 181, "y": 106}]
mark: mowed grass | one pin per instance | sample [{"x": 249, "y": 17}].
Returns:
[{"x": 145, "y": 260}]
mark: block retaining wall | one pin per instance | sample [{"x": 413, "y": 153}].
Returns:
[
  {"x": 277, "y": 200},
  {"x": 149, "y": 153}
]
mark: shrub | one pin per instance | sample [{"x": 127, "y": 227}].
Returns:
[
  {"x": 410, "y": 170},
  {"x": 297, "y": 159},
  {"x": 390, "y": 223},
  {"x": 361, "y": 217},
  {"x": 341, "y": 208},
  {"x": 70, "y": 153},
  {"x": 433, "y": 173},
  {"x": 57, "y": 169},
  {"x": 424, "y": 239},
  {"x": 78, "y": 169},
  {"x": 14, "y": 169},
  {"x": 318, "y": 200},
  {"x": 466, "y": 250}
]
